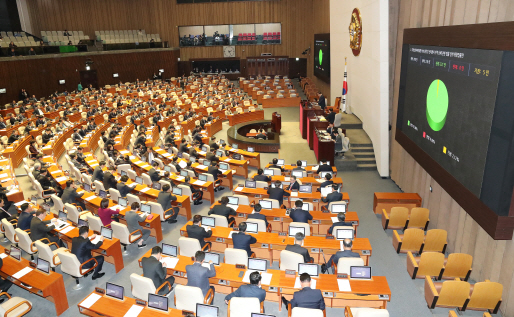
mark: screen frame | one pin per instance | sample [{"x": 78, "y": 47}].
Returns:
[{"x": 321, "y": 37}]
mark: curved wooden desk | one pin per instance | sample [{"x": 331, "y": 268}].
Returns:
[{"x": 237, "y": 135}]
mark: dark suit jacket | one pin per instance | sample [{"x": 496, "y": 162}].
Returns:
[
  {"x": 339, "y": 223},
  {"x": 258, "y": 216},
  {"x": 333, "y": 196},
  {"x": 331, "y": 117},
  {"x": 300, "y": 250},
  {"x": 308, "y": 298},
  {"x": 154, "y": 270},
  {"x": 300, "y": 215},
  {"x": 295, "y": 186},
  {"x": 70, "y": 195},
  {"x": 278, "y": 194},
  {"x": 39, "y": 229},
  {"x": 214, "y": 171},
  {"x": 321, "y": 102},
  {"x": 165, "y": 199},
  {"x": 109, "y": 181},
  {"x": 222, "y": 210},
  {"x": 199, "y": 233},
  {"x": 242, "y": 241},
  {"x": 123, "y": 189},
  {"x": 212, "y": 157},
  {"x": 262, "y": 178},
  {"x": 198, "y": 276},
  {"x": 214, "y": 145},
  {"x": 82, "y": 247},
  {"x": 326, "y": 183},
  {"x": 24, "y": 220},
  {"x": 248, "y": 290},
  {"x": 324, "y": 168},
  {"x": 154, "y": 175},
  {"x": 98, "y": 174},
  {"x": 44, "y": 181}
]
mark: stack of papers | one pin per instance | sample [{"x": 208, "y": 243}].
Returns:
[
  {"x": 294, "y": 194},
  {"x": 344, "y": 285},
  {"x": 90, "y": 198},
  {"x": 182, "y": 164},
  {"x": 233, "y": 206},
  {"x": 134, "y": 311},
  {"x": 238, "y": 189},
  {"x": 116, "y": 207},
  {"x": 298, "y": 285},
  {"x": 170, "y": 262},
  {"x": 201, "y": 153},
  {"x": 54, "y": 172},
  {"x": 67, "y": 229},
  {"x": 96, "y": 239},
  {"x": 3, "y": 256},
  {"x": 144, "y": 190},
  {"x": 226, "y": 160},
  {"x": 90, "y": 300},
  {"x": 334, "y": 219},
  {"x": 22, "y": 272},
  {"x": 201, "y": 166},
  {"x": 61, "y": 179},
  {"x": 180, "y": 178},
  {"x": 199, "y": 182},
  {"x": 265, "y": 277}
]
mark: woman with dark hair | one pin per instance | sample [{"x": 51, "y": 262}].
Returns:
[
  {"x": 105, "y": 213},
  {"x": 33, "y": 149}
]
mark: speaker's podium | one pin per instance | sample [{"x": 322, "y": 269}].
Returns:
[
  {"x": 276, "y": 122},
  {"x": 324, "y": 147}
]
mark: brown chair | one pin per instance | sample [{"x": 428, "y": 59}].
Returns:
[
  {"x": 428, "y": 264},
  {"x": 418, "y": 218},
  {"x": 396, "y": 219},
  {"x": 435, "y": 241},
  {"x": 411, "y": 240},
  {"x": 458, "y": 265},
  {"x": 486, "y": 296},
  {"x": 449, "y": 294}
]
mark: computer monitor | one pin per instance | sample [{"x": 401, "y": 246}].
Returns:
[
  {"x": 82, "y": 223},
  {"x": 250, "y": 184},
  {"x": 33, "y": 200},
  {"x": 235, "y": 146},
  {"x": 203, "y": 310},
  {"x": 208, "y": 221},
  {"x": 224, "y": 167},
  {"x": 86, "y": 187},
  {"x": 281, "y": 162},
  {"x": 202, "y": 177},
  {"x": 257, "y": 264},
  {"x": 324, "y": 174},
  {"x": 311, "y": 269},
  {"x": 156, "y": 186},
  {"x": 297, "y": 174},
  {"x": 63, "y": 216},
  {"x": 114, "y": 291},
  {"x": 102, "y": 193},
  {"x": 360, "y": 272},
  {"x": 192, "y": 159},
  {"x": 252, "y": 227},
  {"x": 344, "y": 234},
  {"x": 266, "y": 204},
  {"x": 268, "y": 172},
  {"x": 15, "y": 253},
  {"x": 305, "y": 189},
  {"x": 304, "y": 163},
  {"x": 179, "y": 154},
  {"x": 146, "y": 208},
  {"x": 177, "y": 191},
  {"x": 305, "y": 206},
  {"x": 170, "y": 150},
  {"x": 204, "y": 149},
  {"x": 233, "y": 200},
  {"x": 167, "y": 168},
  {"x": 123, "y": 173},
  {"x": 169, "y": 249},
  {"x": 139, "y": 180},
  {"x": 293, "y": 230},
  {"x": 222, "y": 142},
  {"x": 250, "y": 149},
  {"x": 106, "y": 232},
  {"x": 214, "y": 257},
  {"x": 337, "y": 208},
  {"x": 184, "y": 173},
  {"x": 158, "y": 302},
  {"x": 220, "y": 153},
  {"x": 206, "y": 163},
  {"x": 237, "y": 156},
  {"x": 43, "y": 265},
  {"x": 122, "y": 202},
  {"x": 325, "y": 163},
  {"x": 274, "y": 186}
]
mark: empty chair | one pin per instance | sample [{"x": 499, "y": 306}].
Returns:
[
  {"x": 95, "y": 223},
  {"x": 365, "y": 312},
  {"x": 25, "y": 243},
  {"x": 73, "y": 213},
  {"x": 123, "y": 167},
  {"x": 121, "y": 232},
  {"x": 451, "y": 294},
  {"x": 221, "y": 221},
  {"x": 458, "y": 265},
  {"x": 147, "y": 180},
  {"x": 244, "y": 306},
  {"x": 261, "y": 184},
  {"x": 47, "y": 254},
  {"x": 290, "y": 260},
  {"x": 58, "y": 204},
  {"x": 14, "y": 306},
  {"x": 411, "y": 240},
  {"x": 71, "y": 266},
  {"x": 186, "y": 297},
  {"x": 9, "y": 231},
  {"x": 344, "y": 264},
  {"x": 435, "y": 241},
  {"x": 189, "y": 246},
  {"x": 98, "y": 186},
  {"x": 419, "y": 218},
  {"x": 115, "y": 194},
  {"x": 133, "y": 199},
  {"x": 243, "y": 199},
  {"x": 486, "y": 296},
  {"x": 236, "y": 256},
  {"x": 429, "y": 263},
  {"x": 142, "y": 286},
  {"x": 305, "y": 312},
  {"x": 306, "y": 226},
  {"x": 261, "y": 224},
  {"x": 132, "y": 174},
  {"x": 396, "y": 219}
]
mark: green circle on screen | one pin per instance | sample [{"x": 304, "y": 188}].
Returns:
[
  {"x": 437, "y": 105},
  {"x": 320, "y": 57}
]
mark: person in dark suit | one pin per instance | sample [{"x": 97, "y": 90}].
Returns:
[
  {"x": 39, "y": 228},
  {"x": 328, "y": 181},
  {"x": 4, "y": 283},
  {"x": 261, "y": 135},
  {"x": 213, "y": 144},
  {"x": 298, "y": 166},
  {"x": 195, "y": 231},
  {"x": 153, "y": 173},
  {"x": 183, "y": 146},
  {"x": 14, "y": 137},
  {"x": 346, "y": 253},
  {"x": 223, "y": 210},
  {"x": 156, "y": 271},
  {"x": 122, "y": 186},
  {"x": 274, "y": 163},
  {"x": 300, "y": 215},
  {"x": 198, "y": 276},
  {"x": 341, "y": 217},
  {"x": 211, "y": 156},
  {"x": 257, "y": 215},
  {"x": 49, "y": 186},
  {"x": 249, "y": 290},
  {"x": 197, "y": 193},
  {"x": 331, "y": 116},
  {"x": 261, "y": 177},
  {"x": 215, "y": 172},
  {"x": 133, "y": 219},
  {"x": 295, "y": 184},
  {"x": 165, "y": 198},
  {"x": 297, "y": 247},
  {"x": 174, "y": 162},
  {"x": 98, "y": 173},
  {"x": 321, "y": 101},
  {"x": 70, "y": 195},
  {"x": 81, "y": 246},
  {"x": 2, "y": 123},
  {"x": 242, "y": 241},
  {"x": 333, "y": 196},
  {"x": 76, "y": 136},
  {"x": 109, "y": 179},
  {"x": 278, "y": 193},
  {"x": 324, "y": 168},
  {"x": 25, "y": 217},
  {"x": 306, "y": 297}
]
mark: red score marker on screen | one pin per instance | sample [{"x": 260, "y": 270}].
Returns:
[{"x": 424, "y": 134}]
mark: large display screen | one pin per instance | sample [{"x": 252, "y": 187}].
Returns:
[
  {"x": 448, "y": 106},
  {"x": 322, "y": 56}
]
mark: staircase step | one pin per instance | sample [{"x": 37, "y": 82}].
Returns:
[
  {"x": 364, "y": 149},
  {"x": 367, "y": 167},
  {"x": 360, "y": 155},
  {"x": 365, "y": 160}
]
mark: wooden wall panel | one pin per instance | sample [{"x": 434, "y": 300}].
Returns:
[
  {"x": 492, "y": 259},
  {"x": 40, "y": 75}
]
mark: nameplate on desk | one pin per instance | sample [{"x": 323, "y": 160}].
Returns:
[
  {"x": 141, "y": 302},
  {"x": 33, "y": 265},
  {"x": 219, "y": 239},
  {"x": 241, "y": 215},
  {"x": 316, "y": 200},
  {"x": 328, "y": 294},
  {"x": 273, "y": 289},
  {"x": 223, "y": 282},
  {"x": 290, "y": 273},
  {"x": 330, "y": 237},
  {"x": 276, "y": 219},
  {"x": 282, "y": 234},
  {"x": 316, "y": 222},
  {"x": 264, "y": 245},
  {"x": 315, "y": 250},
  {"x": 99, "y": 290},
  {"x": 384, "y": 297},
  {"x": 241, "y": 266},
  {"x": 355, "y": 223},
  {"x": 365, "y": 252},
  {"x": 326, "y": 211},
  {"x": 342, "y": 275}
]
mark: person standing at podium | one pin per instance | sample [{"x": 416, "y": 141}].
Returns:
[{"x": 321, "y": 101}]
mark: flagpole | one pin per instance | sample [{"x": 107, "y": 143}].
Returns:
[{"x": 345, "y": 88}]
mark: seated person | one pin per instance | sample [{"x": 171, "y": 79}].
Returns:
[
  {"x": 333, "y": 196},
  {"x": 295, "y": 184},
  {"x": 261, "y": 135},
  {"x": 300, "y": 215},
  {"x": 257, "y": 215},
  {"x": 105, "y": 213},
  {"x": 298, "y": 166},
  {"x": 346, "y": 253},
  {"x": 70, "y": 195},
  {"x": 249, "y": 290},
  {"x": 261, "y": 177},
  {"x": 39, "y": 228},
  {"x": 297, "y": 247},
  {"x": 278, "y": 193},
  {"x": 340, "y": 222},
  {"x": 133, "y": 219},
  {"x": 165, "y": 198},
  {"x": 156, "y": 271},
  {"x": 307, "y": 297},
  {"x": 196, "y": 231},
  {"x": 324, "y": 168},
  {"x": 328, "y": 181},
  {"x": 223, "y": 210},
  {"x": 81, "y": 246},
  {"x": 198, "y": 275},
  {"x": 197, "y": 193},
  {"x": 122, "y": 186},
  {"x": 242, "y": 241},
  {"x": 274, "y": 165}
]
